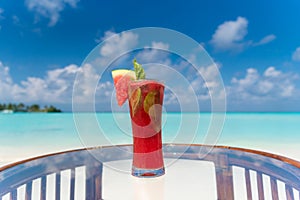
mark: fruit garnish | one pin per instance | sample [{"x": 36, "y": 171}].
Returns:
[
  {"x": 154, "y": 113},
  {"x": 149, "y": 101},
  {"x": 122, "y": 77},
  {"x": 139, "y": 71},
  {"x": 134, "y": 100},
  {"x": 153, "y": 109}
]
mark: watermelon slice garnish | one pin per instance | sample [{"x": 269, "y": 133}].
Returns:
[{"x": 122, "y": 77}]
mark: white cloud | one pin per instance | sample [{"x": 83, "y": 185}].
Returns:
[
  {"x": 55, "y": 87},
  {"x": 107, "y": 34},
  {"x": 4, "y": 74},
  {"x": 265, "y": 40},
  {"x": 288, "y": 90},
  {"x": 118, "y": 43},
  {"x": 72, "y": 3},
  {"x": 272, "y": 72},
  {"x": 89, "y": 85},
  {"x": 59, "y": 82},
  {"x": 296, "y": 54},
  {"x": 156, "y": 53},
  {"x": 251, "y": 77},
  {"x": 230, "y": 36},
  {"x": 86, "y": 83},
  {"x": 211, "y": 86},
  {"x": 272, "y": 84},
  {"x": 104, "y": 90},
  {"x": 49, "y": 8},
  {"x": 6, "y": 82},
  {"x": 160, "y": 45}
]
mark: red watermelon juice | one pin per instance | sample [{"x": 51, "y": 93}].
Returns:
[{"x": 145, "y": 102}]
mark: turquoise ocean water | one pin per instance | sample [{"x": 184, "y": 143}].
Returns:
[{"x": 26, "y": 135}]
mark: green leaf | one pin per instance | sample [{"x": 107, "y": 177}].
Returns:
[{"x": 139, "y": 71}]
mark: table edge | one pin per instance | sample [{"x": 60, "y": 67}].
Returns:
[{"x": 285, "y": 159}]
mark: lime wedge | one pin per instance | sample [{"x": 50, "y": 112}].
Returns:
[
  {"x": 134, "y": 99},
  {"x": 149, "y": 101}
]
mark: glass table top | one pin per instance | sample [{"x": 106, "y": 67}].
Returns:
[{"x": 192, "y": 171}]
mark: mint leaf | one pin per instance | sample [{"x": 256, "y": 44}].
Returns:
[{"x": 139, "y": 71}]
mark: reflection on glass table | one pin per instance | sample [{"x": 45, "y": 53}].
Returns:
[{"x": 192, "y": 172}]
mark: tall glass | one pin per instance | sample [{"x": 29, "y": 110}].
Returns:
[{"x": 145, "y": 102}]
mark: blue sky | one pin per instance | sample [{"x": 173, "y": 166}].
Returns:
[{"x": 256, "y": 45}]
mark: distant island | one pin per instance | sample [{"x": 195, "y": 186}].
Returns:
[{"x": 11, "y": 107}]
